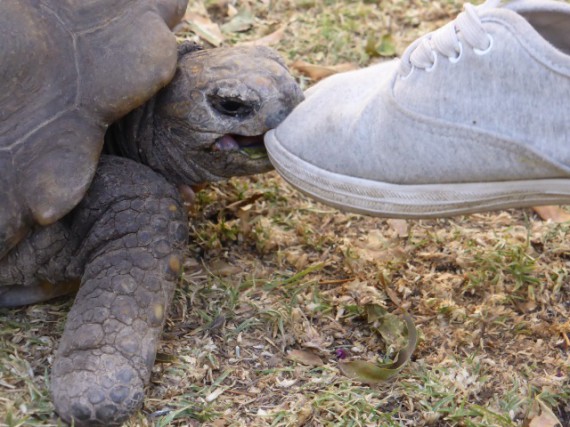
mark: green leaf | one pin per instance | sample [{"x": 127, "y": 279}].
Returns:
[
  {"x": 386, "y": 47},
  {"x": 389, "y": 326},
  {"x": 370, "y": 47},
  {"x": 257, "y": 152},
  {"x": 366, "y": 372},
  {"x": 165, "y": 358},
  {"x": 371, "y": 373}
]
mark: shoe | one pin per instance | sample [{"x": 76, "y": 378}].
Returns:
[{"x": 474, "y": 117}]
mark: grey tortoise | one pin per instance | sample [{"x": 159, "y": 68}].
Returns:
[{"x": 104, "y": 123}]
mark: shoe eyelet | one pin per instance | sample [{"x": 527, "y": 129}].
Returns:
[
  {"x": 432, "y": 67},
  {"x": 455, "y": 59},
  {"x": 488, "y": 49}
]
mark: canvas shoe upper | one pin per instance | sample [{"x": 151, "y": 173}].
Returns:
[{"x": 475, "y": 116}]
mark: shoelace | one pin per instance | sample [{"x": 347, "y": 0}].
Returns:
[{"x": 423, "y": 53}]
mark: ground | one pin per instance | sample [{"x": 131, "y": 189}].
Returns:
[{"x": 273, "y": 293}]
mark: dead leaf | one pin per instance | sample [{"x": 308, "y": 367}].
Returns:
[
  {"x": 393, "y": 297},
  {"x": 215, "y": 394},
  {"x": 318, "y": 72},
  {"x": 389, "y": 291},
  {"x": 269, "y": 40},
  {"x": 240, "y": 22},
  {"x": 553, "y": 213},
  {"x": 546, "y": 417},
  {"x": 205, "y": 28},
  {"x": 220, "y": 267},
  {"x": 298, "y": 258},
  {"x": 304, "y": 415},
  {"x": 306, "y": 334},
  {"x": 544, "y": 420},
  {"x": 232, "y": 11},
  {"x": 286, "y": 383},
  {"x": 377, "y": 248},
  {"x": 364, "y": 293},
  {"x": 305, "y": 357},
  {"x": 315, "y": 340},
  {"x": 400, "y": 227}
]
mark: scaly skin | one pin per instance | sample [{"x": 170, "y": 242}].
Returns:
[
  {"x": 132, "y": 247},
  {"x": 175, "y": 131},
  {"x": 126, "y": 248},
  {"x": 39, "y": 262},
  {"x": 124, "y": 241}
]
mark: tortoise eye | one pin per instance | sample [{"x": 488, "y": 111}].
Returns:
[{"x": 233, "y": 107}]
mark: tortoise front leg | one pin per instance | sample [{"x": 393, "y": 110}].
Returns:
[
  {"x": 132, "y": 253},
  {"x": 36, "y": 269}
]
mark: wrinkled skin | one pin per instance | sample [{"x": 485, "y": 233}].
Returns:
[
  {"x": 123, "y": 245},
  {"x": 232, "y": 96}
]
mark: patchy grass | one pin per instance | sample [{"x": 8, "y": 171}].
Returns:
[{"x": 270, "y": 271}]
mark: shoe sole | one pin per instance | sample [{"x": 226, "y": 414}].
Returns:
[{"x": 411, "y": 201}]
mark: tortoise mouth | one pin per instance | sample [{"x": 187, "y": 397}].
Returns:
[{"x": 250, "y": 146}]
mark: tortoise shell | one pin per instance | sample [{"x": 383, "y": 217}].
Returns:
[{"x": 69, "y": 69}]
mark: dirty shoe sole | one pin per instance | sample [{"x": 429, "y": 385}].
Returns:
[{"x": 411, "y": 201}]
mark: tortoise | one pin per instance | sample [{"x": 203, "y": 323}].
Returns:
[{"x": 104, "y": 123}]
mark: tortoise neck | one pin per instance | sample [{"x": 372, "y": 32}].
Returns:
[
  {"x": 132, "y": 134},
  {"x": 141, "y": 136}
]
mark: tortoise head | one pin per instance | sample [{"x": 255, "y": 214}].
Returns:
[{"x": 209, "y": 122}]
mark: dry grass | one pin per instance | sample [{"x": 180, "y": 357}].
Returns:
[{"x": 270, "y": 271}]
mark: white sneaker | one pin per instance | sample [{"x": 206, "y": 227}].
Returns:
[{"x": 475, "y": 116}]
